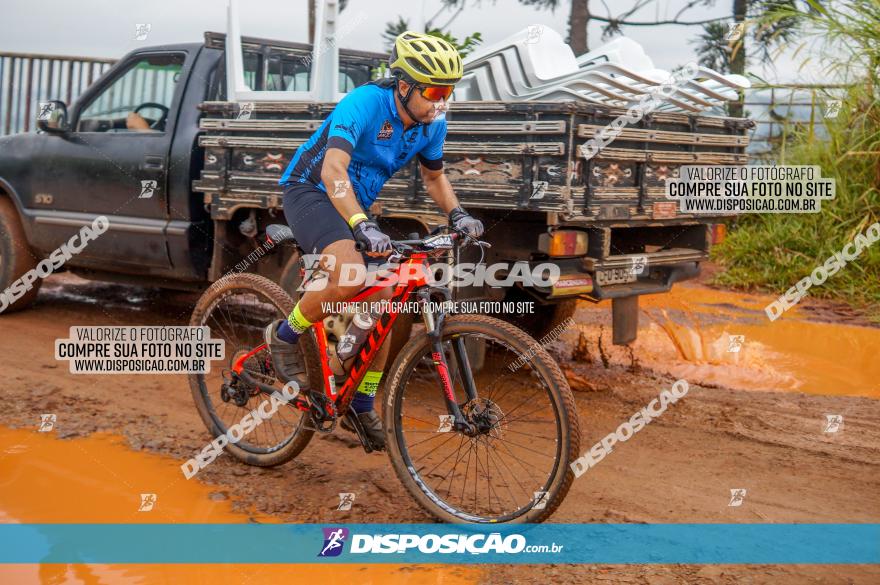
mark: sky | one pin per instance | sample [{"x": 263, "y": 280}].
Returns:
[{"x": 106, "y": 28}]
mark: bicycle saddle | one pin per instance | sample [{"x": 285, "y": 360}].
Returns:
[{"x": 279, "y": 234}]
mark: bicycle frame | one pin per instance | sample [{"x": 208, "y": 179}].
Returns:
[
  {"x": 408, "y": 278},
  {"x": 406, "y": 282}
]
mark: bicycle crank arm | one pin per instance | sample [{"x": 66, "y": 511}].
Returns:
[
  {"x": 352, "y": 420},
  {"x": 297, "y": 402}
]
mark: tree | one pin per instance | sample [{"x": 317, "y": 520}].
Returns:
[
  {"x": 313, "y": 10},
  {"x": 578, "y": 20},
  {"x": 728, "y": 48},
  {"x": 580, "y": 15},
  {"x": 464, "y": 46}
]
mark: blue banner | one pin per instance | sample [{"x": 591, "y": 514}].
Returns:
[{"x": 441, "y": 543}]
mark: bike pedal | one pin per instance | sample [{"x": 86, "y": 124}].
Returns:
[{"x": 320, "y": 427}]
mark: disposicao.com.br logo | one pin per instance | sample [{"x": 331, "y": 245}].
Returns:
[{"x": 475, "y": 544}]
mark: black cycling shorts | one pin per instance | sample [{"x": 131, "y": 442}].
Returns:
[{"x": 314, "y": 221}]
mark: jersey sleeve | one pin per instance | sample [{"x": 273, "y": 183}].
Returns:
[
  {"x": 349, "y": 119},
  {"x": 431, "y": 155}
]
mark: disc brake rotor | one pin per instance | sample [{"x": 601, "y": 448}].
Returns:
[{"x": 487, "y": 416}]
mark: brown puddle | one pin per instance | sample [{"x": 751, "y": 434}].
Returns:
[
  {"x": 98, "y": 479},
  {"x": 688, "y": 333}
]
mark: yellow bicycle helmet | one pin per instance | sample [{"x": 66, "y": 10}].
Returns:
[{"x": 423, "y": 58}]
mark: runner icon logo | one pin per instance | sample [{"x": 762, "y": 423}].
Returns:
[
  {"x": 148, "y": 187},
  {"x": 737, "y": 496},
  {"x": 346, "y": 499},
  {"x": 334, "y": 541},
  {"x": 735, "y": 343},
  {"x": 47, "y": 422},
  {"x": 446, "y": 423},
  {"x": 147, "y": 502},
  {"x": 833, "y": 423}
]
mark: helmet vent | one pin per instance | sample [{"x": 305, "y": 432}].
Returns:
[{"x": 415, "y": 64}]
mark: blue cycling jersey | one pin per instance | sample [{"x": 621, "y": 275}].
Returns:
[{"x": 365, "y": 124}]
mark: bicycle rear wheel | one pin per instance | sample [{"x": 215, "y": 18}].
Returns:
[
  {"x": 517, "y": 469},
  {"x": 237, "y": 308}
]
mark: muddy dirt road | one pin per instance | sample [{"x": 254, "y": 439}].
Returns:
[{"x": 755, "y": 419}]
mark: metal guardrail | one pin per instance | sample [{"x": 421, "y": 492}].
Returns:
[
  {"x": 789, "y": 107},
  {"x": 27, "y": 79}
]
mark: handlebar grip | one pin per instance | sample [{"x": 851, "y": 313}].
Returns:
[{"x": 359, "y": 246}]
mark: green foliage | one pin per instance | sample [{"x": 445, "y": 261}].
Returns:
[
  {"x": 762, "y": 34},
  {"x": 464, "y": 46},
  {"x": 393, "y": 29},
  {"x": 775, "y": 251},
  {"x": 712, "y": 47}
]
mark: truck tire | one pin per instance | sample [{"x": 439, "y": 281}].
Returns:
[{"x": 16, "y": 257}]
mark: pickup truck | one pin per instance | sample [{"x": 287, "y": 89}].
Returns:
[{"x": 189, "y": 197}]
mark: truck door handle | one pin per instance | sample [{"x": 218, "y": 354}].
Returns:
[{"x": 153, "y": 163}]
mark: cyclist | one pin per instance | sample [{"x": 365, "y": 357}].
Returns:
[{"x": 337, "y": 174}]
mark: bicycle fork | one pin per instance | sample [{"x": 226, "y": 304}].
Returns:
[{"x": 434, "y": 328}]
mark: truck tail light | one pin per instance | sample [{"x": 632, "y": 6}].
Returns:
[
  {"x": 563, "y": 243},
  {"x": 717, "y": 233}
]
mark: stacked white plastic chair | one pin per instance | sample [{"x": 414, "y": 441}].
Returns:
[{"x": 536, "y": 64}]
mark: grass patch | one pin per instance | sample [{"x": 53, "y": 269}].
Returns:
[{"x": 772, "y": 252}]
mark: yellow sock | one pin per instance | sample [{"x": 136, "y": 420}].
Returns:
[
  {"x": 297, "y": 320},
  {"x": 370, "y": 383}
]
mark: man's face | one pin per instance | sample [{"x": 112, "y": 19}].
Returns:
[{"x": 425, "y": 110}]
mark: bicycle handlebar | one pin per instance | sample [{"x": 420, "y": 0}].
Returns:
[{"x": 426, "y": 243}]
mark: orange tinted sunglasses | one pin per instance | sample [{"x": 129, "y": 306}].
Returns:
[{"x": 435, "y": 93}]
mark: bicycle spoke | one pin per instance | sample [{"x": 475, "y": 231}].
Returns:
[
  {"x": 510, "y": 471},
  {"x": 442, "y": 461},
  {"x": 428, "y": 439},
  {"x": 490, "y": 486},
  {"x": 454, "y": 467},
  {"x": 508, "y": 441},
  {"x": 467, "y": 468},
  {"x": 236, "y": 319},
  {"x": 511, "y": 420},
  {"x": 518, "y": 460}
]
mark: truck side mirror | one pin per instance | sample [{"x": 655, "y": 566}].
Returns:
[{"x": 52, "y": 117}]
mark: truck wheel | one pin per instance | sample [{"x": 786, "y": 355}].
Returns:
[{"x": 16, "y": 257}]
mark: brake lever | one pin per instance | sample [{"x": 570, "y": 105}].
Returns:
[{"x": 472, "y": 240}]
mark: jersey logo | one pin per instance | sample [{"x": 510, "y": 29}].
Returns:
[
  {"x": 386, "y": 132},
  {"x": 348, "y": 129}
]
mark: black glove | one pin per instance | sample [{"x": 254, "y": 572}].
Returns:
[
  {"x": 369, "y": 238},
  {"x": 462, "y": 220}
]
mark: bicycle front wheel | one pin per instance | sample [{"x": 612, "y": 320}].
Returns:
[{"x": 517, "y": 468}]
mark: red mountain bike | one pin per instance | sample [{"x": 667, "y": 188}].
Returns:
[{"x": 480, "y": 422}]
